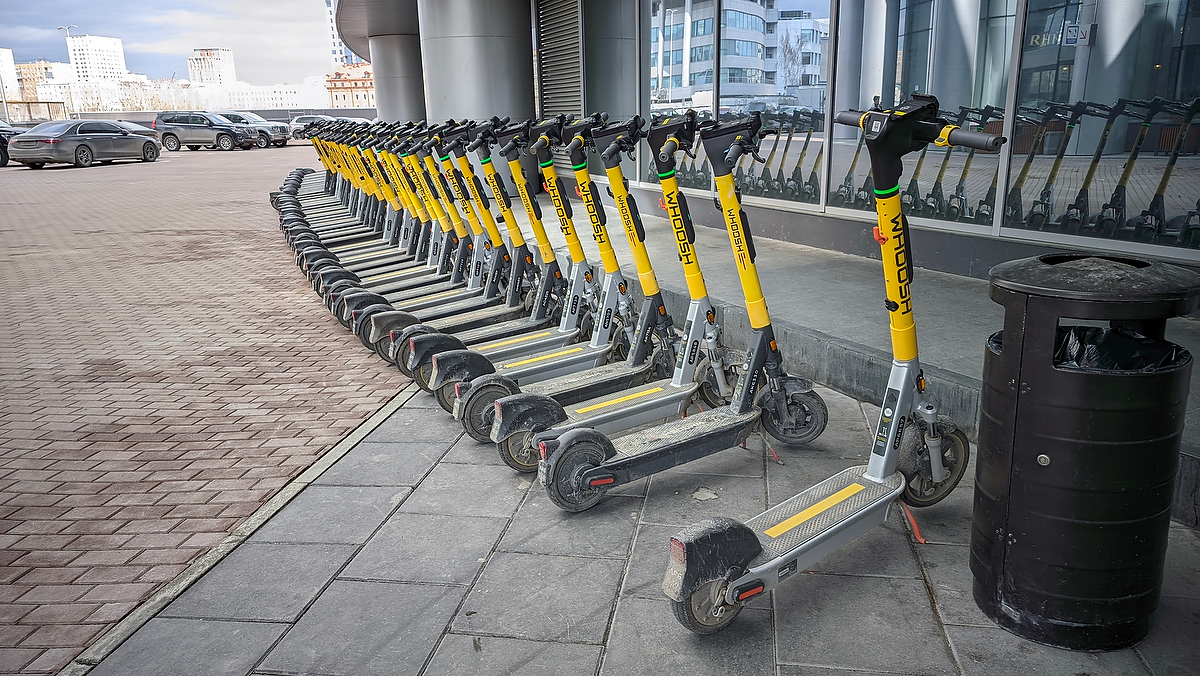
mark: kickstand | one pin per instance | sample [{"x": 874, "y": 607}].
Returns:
[
  {"x": 912, "y": 521},
  {"x": 763, "y": 439}
]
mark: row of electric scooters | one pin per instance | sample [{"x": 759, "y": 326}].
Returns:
[{"x": 559, "y": 368}]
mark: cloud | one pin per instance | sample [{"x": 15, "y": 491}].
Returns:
[{"x": 273, "y": 41}]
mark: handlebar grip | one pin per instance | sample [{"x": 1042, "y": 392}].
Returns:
[
  {"x": 575, "y": 144},
  {"x": 848, "y": 117},
  {"x": 477, "y": 143},
  {"x": 975, "y": 139},
  {"x": 504, "y": 121},
  {"x": 539, "y": 144},
  {"x": 668, "y": 150},
  {"x": 611, "y": 151},
  {"x": 731, "y": 157},
  {"x": 508, "y": 148}
]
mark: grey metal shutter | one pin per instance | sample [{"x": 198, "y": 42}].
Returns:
[{"x": 560, "y": 63}]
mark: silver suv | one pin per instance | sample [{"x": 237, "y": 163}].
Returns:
[
  {"x": 193, "y": 128},
  {"x": 299, "y": 122},
  {"x": 268, "y": 132}
]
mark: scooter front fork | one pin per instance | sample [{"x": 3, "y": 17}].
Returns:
[{"x": 933, "y": 440}]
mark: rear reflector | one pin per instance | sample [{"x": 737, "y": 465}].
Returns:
[
  {"x": 744, "y": 593},
  {"x": 541, "y": 444},
  {"x": 678, "y": 551},
  {"x": 601, "y": 482}
]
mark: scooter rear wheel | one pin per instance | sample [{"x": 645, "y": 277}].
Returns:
[
  {"x": 479, "y": 410},
  {"x": 517, "y": 452},
  {"x": 704, "y": 611},
  {"x": 421, "y": 376},
  {"x": 806, "y": 408},
  {"x": 565, "y": 488}
]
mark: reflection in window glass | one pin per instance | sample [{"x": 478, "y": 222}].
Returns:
[
  {"x": 1106, "y": 140},
  {"x": 678, "y": 83},
  {"x": 779, "y": 73},
  {"x": 918, "y": 48}
]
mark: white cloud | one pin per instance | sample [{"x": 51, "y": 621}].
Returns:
[{"x": 273, "y": 41}]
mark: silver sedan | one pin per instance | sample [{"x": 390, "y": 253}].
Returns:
[{"x": 81, "y": 142}]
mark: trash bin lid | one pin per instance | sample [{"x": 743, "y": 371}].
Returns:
[{"x": 1112, "y": 278}]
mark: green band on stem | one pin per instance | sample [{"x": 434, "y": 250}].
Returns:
[
  {"x": 669, "y": 174},
  {"x": 889, "y": 192},
  {"x": 577, "y": 167},
  {"x": 545, "y": 164}
]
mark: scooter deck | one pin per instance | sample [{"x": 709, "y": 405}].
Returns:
[
  {"x": 557, "y": 361},
  {"x": 524, "y": 335},
  {"x": 416, "y": 284},
  {"x": 575, "y": 387},
  {"x": 455, "y": 321},
  {"x": 395, "y": 262},
  {"x": 842, "y": 498},
  {"x": 626, "y": 409}
]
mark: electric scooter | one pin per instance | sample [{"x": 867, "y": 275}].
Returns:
[
  {"x": 911, "y": 203},
  {"x": 775, "y": 184},
  {"x": 579, "y": 465},
  {"x": 794, "y": 188},
  {"x": 935, "y": 201},
  {"x": 1114, "y": 212},
  {"x": 462, "y": 366},
  {"x": 1152, "y": 224},
  {"x": 719, "y": 565},
  {"x": 758, "y": 185},
  {"x": 811, "y": 190},
  {"x": 1013, "y": 211},
  {"x": 957, "y": 206},
  {"x": 1041, "y": 212},
  {"x": 1077, "y": 216}
]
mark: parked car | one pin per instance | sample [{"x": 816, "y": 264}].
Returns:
[
  {"x": 196, "y": 128},
  {"x": 7, "y": 131},
  {"x": 356, "y": 120},
  {"x": 300, "y": 122},
  {"x": 81, "y": 142},
  {"x": 268, "y": 132},
  {"x": 137, "y": 128}
]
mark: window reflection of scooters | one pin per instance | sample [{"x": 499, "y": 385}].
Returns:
[
  {"x": 957, "y": 207},
  {"x": 1152, "y": 225},
  {"x": 1077, "y": 215},
  {"x": 1041, "y": 212}
]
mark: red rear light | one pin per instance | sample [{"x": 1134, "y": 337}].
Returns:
[
  {"x": 412, "y": 344},
  {"x": 458, "y": 389},
  {"x": 392, "y": 336},
  {"x": 541, "y": 445},
  {"x": 51, "y": 140},
  {"x": 154, "y": 124},
  {"x": 678, "y": 551}
]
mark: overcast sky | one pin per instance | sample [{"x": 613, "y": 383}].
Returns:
[{"x": 273, "y": 41}]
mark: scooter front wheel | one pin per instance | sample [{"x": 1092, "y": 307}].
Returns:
[
  {"x": 517, "y": 452},
  {"x": 704, "y": 611},
  {"x": 565, "y": 488},
  {"x": 806, "y": 418},
  {"x": 919, "y": 487}
]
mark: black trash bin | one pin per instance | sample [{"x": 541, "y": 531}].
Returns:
[{"x": 1081, "y": 419}]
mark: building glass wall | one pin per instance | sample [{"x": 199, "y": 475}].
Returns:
[{"x": 1068, "y": 68}]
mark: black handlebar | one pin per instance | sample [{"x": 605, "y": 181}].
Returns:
[
  {"x": 731, "y": 157},
  {"x": 975, "y": 139},
  {"x": 930, "y": 130},
  {"x": 539, "y": 144},
  {"x": 668, "y": 150},
  {"x": 848, "y": 117},
  {"x": 575, "y": 144}
]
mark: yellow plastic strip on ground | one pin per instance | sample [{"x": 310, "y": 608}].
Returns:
[{"x": 781, "y": 528}]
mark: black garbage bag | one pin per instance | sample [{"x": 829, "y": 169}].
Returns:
[{"x": 1114, "y": 349}]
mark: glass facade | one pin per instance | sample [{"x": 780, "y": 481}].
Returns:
[{"x": 1097, "y": 97}]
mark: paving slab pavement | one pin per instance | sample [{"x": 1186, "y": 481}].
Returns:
[
  {"x": 475, "y": 572},
  {"x": 163, "y": 372}
]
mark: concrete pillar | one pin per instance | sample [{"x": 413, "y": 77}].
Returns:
[
  {"x": 477, "y": 57},
  {"x": 952, "y": 58},
  {"x": 874, "y": 56},
  {"x": 396, "y": 66}
]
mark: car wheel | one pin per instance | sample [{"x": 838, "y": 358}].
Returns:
[
  {"x": 193, "y": 147},
  {"x": 263, "y": 141},
  {"x": 83, "y": 156},
  {"x": 170, "y": 142},
  {"x": 224, "y": 142},
  {"x": 36, "y": 165},
  {"x": 149, "y": 152},
  {"x": 280, "y": 144}
]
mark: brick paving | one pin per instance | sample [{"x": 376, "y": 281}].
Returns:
[{"x": 163, "y": 371}]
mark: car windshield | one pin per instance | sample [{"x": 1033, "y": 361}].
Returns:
[
  {"x": 218, "y": 119},
  {"x": 251, "y": 116},
  {"x": 53, "y": 128}
]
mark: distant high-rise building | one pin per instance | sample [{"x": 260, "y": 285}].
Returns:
[
  {"x": 338, "y": 52},
  {"x": 31, "y": 74},
  {"x": 97, "y": 58},
  {"x": 212, "y": 66}
]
